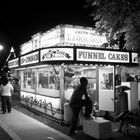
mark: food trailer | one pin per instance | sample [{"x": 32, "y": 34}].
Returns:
[{"x": 52, "y": 62}]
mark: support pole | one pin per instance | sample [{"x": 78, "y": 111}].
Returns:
[{"x": 62, "y": 96}]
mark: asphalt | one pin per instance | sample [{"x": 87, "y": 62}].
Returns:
[{"x": 22, "y": 127}]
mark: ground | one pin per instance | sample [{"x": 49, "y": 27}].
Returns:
[
  {"x": 63, "y": 127},
  {"x": 4, "y": 135}
]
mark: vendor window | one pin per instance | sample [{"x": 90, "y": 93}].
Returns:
[
  {"x": 29, "y": 80},
  {"x": 49, "y": 79}
]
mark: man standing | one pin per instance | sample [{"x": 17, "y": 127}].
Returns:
[{"x": 77, "y": 102}]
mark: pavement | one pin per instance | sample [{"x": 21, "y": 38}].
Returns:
[{"x": 22, "y": 127}]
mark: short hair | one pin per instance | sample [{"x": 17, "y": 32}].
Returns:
[
  {"x": 5, "y": 81},
  {"x": 83, "y": 81}
]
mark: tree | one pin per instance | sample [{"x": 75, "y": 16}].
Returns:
[{"x": 118, "y": 18}]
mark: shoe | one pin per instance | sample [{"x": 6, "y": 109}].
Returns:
[
  {"x": 118, "y": 130},
  {"x": 88, "y": 118},
  {"x": 71, "y": 133},
  {"x": 9, "y": 111},
  {"x": 115, "y": 119}
]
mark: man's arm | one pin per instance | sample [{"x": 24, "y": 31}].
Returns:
[{"x": 86, "y": 95}]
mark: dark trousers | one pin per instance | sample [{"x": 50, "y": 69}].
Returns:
[
  {"x": 6, "y": 103},
  {"x": 76, "y": 108}
]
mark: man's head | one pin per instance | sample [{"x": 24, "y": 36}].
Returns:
[
  {"x": 127, "y": 75},
  {"x": 83, "y": 81}
]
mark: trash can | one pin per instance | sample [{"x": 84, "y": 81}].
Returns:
[
  {"x": 67, "y": 113},
  {"x": 123, "y": 102}
]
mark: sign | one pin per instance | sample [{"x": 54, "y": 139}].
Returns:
[
  {"x": 11, "y": 52},
  {"x": 102, "y": 56},
  {"x": 57, "y": 54},
  {"x": 13, "y": 63},
  {"x": 83, "y": 37},
  {"x": 36, "y": 41},
  {"x": 50, "y": 38},
  {"x": 26, "y": 47},
  {"x": 135, "y": 58},
  {"x": 29, "y": 59}
]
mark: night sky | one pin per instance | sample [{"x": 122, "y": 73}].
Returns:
[{"x": 19, "y": 21}]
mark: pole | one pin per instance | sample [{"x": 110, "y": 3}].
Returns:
[{"x": 62, "y": 86}]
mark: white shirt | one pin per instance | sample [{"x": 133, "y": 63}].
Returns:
[{"x": 6, "y": 90}]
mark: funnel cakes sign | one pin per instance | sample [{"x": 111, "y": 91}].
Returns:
[
  {"x": 57, "y": 54},
  {"x": 102, "y": 56}
]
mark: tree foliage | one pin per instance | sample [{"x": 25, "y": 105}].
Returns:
[{"x": 117, "y": 18}]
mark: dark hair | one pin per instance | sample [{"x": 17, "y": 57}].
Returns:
[
  {"x": 83, "y": 81},
  {"x": 127, "y": 74},
  {"x": 4, "y": 81}
]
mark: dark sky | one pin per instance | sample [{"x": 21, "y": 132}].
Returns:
[{"x": 20, "y": 20}]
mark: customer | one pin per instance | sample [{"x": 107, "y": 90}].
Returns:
[
  {"x": 129, "y": 78},
  {"x": 77, "y": 102},
  {"x": 6, "y": 91},
  {"x": 129, "y": 116}
]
